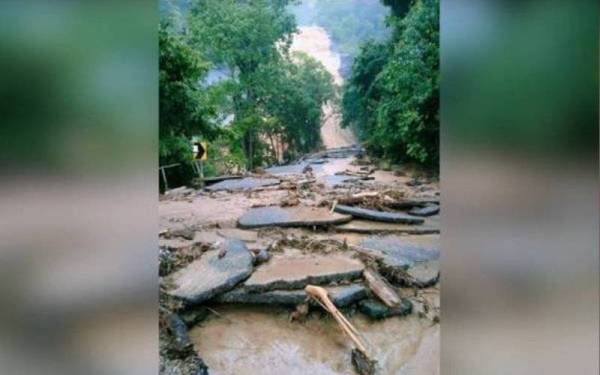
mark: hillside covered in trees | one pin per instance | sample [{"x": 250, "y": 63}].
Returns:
[
  {"x": 392, "y": 96},
  {"x": 227, "y": 76}
]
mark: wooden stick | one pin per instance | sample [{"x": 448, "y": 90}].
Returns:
[
  {"x": 321, "y": 295},
  {"x": 381, "y": 288}
]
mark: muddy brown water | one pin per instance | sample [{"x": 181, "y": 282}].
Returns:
[{"x": 253, "y": 340}]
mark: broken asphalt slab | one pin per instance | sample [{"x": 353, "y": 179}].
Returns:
[
  {"x": 374, "y": 215},
  {"x": 428, "y": 210},
  {"x": 295, "y": 272},
  {"x": 246, "y": 183},
  {"x": 375, "y": 227},
  {"x": 213, "y": 273},
  {"x": 290, "y": 217},
  {"x": 406, "y": 260},
  {"x": 340, "y": 295}
]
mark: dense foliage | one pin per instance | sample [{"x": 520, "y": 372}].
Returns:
[
  {"x": 227, "y": 75},
  {"x": 392, "y": 97},
  {"x": 183, "y": 108}
]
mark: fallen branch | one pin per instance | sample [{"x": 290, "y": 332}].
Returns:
[
  {"x": 320, "y": 294},
  {"x": 360, "y": 356}
]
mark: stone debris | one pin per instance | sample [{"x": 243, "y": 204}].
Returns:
[
  {"x": 290, "y": 217},
  {"x": 210, "y": 275},
  {"x": 428, "y": 210},
  {"x": 247, "y": 183},
  {"x": 328, "y": 225},
  {"x": 295, "y": 272},
  {"x": 377, "y": 310},
  {"x": 341, "y": 296},
  {"x": 177, "y": 355},
  {"x": 384, "y": 216},
  {"x": 295, "y": 169}
]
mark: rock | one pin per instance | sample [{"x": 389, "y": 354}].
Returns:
[
  {"x": 246, "y": 183},
  {"x": 406, "y": 260},
  {"x": 377, "y": 310},
  {"x": 363, "y": 364},
  {"x": 263, "y": 256},
  {"x": 290, "y": 217},
  {"x": 180, "y": 342},
  {"x": 414, "y": 182},
  {"x": 374, "y": 227},
  {"x": 340, "y": 295},
  {"x": 428, "y": 210},
  {"x": 210, "y": 275},
  {"x": 297, "y": 168},
  {"x": 307, "y": 169},
  {"x": 295, "y": 272},
  {"x": 194, "y": 315},
  {"x": 390, "y": 217},
  {"x": 422, "y": 274},
  {"x": 186, "y": 233}
]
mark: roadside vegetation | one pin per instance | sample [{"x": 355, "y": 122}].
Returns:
[
  {"x": 227, "y": 76},
  {"x": 392, "y": 95}
]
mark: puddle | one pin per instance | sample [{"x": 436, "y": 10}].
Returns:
[{"x": 257, "y": 340}]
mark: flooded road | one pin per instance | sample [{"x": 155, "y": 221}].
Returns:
[{"x": 263, "y": 341}]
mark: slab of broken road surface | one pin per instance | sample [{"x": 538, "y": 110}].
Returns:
[
  {"x": 217, "y": 271},
  {"x": 290, "y": 217}
]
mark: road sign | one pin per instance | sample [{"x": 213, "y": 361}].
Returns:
[{"x": 200, "y": 151}]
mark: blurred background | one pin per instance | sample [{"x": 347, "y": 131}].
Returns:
[
  {"x": 78, "y": 194},
  {"x": 519, "y": 182}
]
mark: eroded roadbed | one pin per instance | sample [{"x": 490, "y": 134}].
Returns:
[{"x": 236, "y": 259}]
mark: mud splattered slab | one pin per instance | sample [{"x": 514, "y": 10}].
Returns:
[
  {"x": 210, "y": 275},
  {"x": 295, "y": 272},
  {"x": 340, "y": 295},
  {"x": 368, "y": 214},
  {"x": 290, "y": 217},
  {"x": 243, "y": 184},
  {"x": 412, "y": 260},
  {"x": 375, "y": 227}
]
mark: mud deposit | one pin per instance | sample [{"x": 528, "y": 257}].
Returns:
[
  {"x": 263, "y": 341},
  {"x": 245, "y": 309}
]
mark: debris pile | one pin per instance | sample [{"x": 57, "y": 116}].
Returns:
[{"x": 345, "y": 238}]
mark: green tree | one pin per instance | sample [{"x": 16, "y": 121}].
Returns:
[
  {"x": 183, "y": 107},
  {"x": 294, "y": 92},
  {"x": 393, "y": 94},
  {"x": 245, "y": 35}
]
